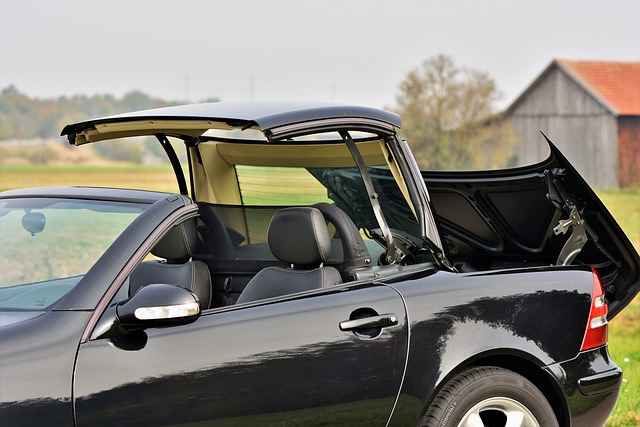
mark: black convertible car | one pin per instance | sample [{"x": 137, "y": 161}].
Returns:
[{"x": 365, "y": 293}]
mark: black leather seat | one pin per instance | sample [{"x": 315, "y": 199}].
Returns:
[
  {"x": 299, "y": 237},
  {"x": 176, "y": 247},
  {"x": 348, "y": 250}
]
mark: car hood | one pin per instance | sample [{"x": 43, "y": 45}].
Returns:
[{"x": 505, "y": 218}]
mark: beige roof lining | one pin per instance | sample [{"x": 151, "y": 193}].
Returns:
[
  {"x": 220, "y": 158},
  {"x": 143, "y": 127},
  {"x": 297, "y": 155},
  {"x": 177, "y": 128}
]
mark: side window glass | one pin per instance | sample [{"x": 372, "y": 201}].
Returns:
[{"x": 279, "y": 186}]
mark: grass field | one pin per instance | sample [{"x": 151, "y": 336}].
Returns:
[
  {"x": 624, "y": 331},
  {"x": 624, "y": 338},
  {"x": 160, "y": 178},
  {"x": 282, "y": 188}
]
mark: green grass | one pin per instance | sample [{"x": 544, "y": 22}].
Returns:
[
  {"x": 160, "y": 178},
  {"x": 624, "y": 330},
  {"x": 624, "y": 345},
  {"x": 625, "y": 207},
  {"x": 283, "y": 188}
]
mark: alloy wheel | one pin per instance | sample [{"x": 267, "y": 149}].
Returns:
[{"x": 499, "y": 412}]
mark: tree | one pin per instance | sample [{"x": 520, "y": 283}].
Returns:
[{"x": 448, "y": 116}]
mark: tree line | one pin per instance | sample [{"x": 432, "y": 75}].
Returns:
[
  {"x": 25, "y": 117},
  {"x": 448, "y": 112}
]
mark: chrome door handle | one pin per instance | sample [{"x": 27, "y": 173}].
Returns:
[{"x": 381, "y": 321}]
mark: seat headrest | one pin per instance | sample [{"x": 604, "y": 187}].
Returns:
[
  {"x": 299, "y": 236},
  {"x": 179, "y": 244}
]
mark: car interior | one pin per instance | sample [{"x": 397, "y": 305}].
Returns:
[
  {"x": 242, "y": 248},
  {"x": 306, "y": 248}
]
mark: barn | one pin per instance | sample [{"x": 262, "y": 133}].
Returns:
[{"x": 591, "y": 110}]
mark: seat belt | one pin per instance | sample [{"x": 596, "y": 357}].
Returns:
[{"x": 393, "y": 254}]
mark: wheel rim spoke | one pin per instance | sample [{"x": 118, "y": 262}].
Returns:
[
  {"x": 473, "y": 420},
  {"x": 515, "y": 413},
  {"x": 514, "y": 418}
]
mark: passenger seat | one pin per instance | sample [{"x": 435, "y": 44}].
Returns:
[{"x": 299, "y": 237}]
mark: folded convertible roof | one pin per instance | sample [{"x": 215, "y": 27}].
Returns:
[{"x": 195, "y": 119}]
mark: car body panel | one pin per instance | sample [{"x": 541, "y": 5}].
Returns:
[
  {"x": 250, "y": 366},
  {"x": 10, "y": 317},
  {"x": 461, "y": 315},
  {"x": 459, "y": 318},
  {"x": 37, "y": 357},
  {"x": 591, "y": 382}
]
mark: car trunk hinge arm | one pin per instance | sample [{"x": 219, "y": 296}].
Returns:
[
  {"x": 393, "y": 253},
  {"x": 578, "y": 237},
  {"x": 576, "y": 241},
  {"x": 581, "y": 233}
]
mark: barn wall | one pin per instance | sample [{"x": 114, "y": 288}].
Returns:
[
  {"x": 582, "y": 128},
  {"x": 629, "y": 149}
]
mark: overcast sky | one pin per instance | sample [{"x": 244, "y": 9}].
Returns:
[{"x": 344, "y": 51}]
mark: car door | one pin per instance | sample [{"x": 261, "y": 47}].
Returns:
[{"x": 278, "y": 362}]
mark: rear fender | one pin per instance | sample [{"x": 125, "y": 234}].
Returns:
[
  {"x": 536, "y": 314},
  {"x": 521, "y": 363}
]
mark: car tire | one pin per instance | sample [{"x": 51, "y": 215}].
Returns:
[{"x": 488, "y": 394}]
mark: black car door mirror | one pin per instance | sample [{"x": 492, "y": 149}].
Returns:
[{"x": 158, "y": 305}]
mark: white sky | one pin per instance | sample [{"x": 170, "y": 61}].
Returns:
[{"x": 346, "y": 51}]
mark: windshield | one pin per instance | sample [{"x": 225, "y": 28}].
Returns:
[{"x": 49, "y": 244}]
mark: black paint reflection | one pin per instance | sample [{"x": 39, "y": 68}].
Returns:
[
  {"x": 37, "y": 412},
  {"x": 513, "y": 316},
  {"x": 269, "y": 366},
  {"x": 272, "y": 382},
  {"x": 36, "y": 369},
  {"x": 590, "y": 408}
]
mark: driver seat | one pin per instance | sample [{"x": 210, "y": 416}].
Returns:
[
  {"x": 177, "y": 248},
  {"x": 299, "y": 237}
]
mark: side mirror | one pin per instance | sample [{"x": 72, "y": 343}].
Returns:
[{"x": 156, "y": 306}]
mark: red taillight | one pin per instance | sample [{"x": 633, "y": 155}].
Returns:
[{"x": 596, "y": 333}]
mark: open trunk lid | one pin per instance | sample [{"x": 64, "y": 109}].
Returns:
[
  {"x": 538, "y": 215},
  {"x": 535, "y": 216}
]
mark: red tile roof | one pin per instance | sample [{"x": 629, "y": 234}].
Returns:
[{"x": 616, "y": 84}]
